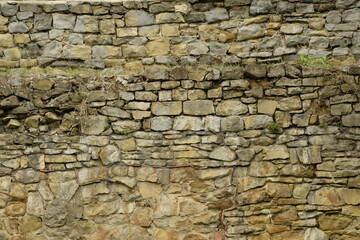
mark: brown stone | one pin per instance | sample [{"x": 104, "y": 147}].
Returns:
[
  {"x": 333, "y": 222},
  {"x": 142, "y": 217}
]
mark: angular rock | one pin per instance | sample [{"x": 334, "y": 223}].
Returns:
[
  {"x": 328, "y": 196},
  {"x": 352, "y": 120},
  {"x": 125, "y": 127},
  {"x": 309, "y": 155},
  {"x": 257, "y": 121},
  {"x": 250, "y": 32},
  {"x": 261, "y": 7},
  {"x": 63, "y": 21},
  {"x": 186, "y": 123},
  {"x": 134, "y": 18},
  {"x": 198, "y": 107},
  {"x": 267, "y": 106},
  {"x": 90, "y": 175},
  {"x": 223, "y": 154},
  {"x": 109, "y": 154},
  {"x": 94, "y": 125},
  {"x": 86, "y": 24},
  {"x": 42, "y": 22},
  {"x": 276, "y": 152},
  {"x": 232, "y": 124},
  {"x": 27, "y": 176},
  {"x": 231, "y": 107},
  {"x": 166, "y": 108},
  {"x": 52, "y": 49},
  {"x": 290, "y": 103},
  {"x": 291, "y": 28},
  {"x": 216, "y": 15}
]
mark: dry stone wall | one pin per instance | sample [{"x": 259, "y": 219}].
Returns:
[
  {"x": 253, "y": 152},
  {"x": 135, "y": 34}
]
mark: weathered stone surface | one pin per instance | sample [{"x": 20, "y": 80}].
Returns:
[
  {"x": 216, "y": 15},
  {"x": 276, "y": 152},
  {"x": 76, "y": 52},
  {"x": 231, "y": 107},
  {"x": 290, "y": 103},
  {"x": 18, "y": 27},
  {"x": 109, "y": 154},
  {"x": 125, "y": 127},
  {"x": 198, "y": 107},
  {"x": 267, "y": 106},
  {"x": 250, "y": 32},
  {"x": 166, "y": 108},
  {"x": 63, "y": 21},
  {"x": 30, "y": 223},
  {"x": 161, "y": 123},
  {"x": 309, "y": 155},
  {"x": 257, "y": 121},
  {"x": 94, "y": 125},
  {"x": 328, "y": 197},
  {"x": 261, "y": 6},
  {"x": 291, "y": 28},
  {"x": 333, "y": 222},
  {"x": 86, "y": 24},
  {"x": 223, "y": 154},
  {"x": 90, "y": 175},
  {"x": 352, "y": 120},
  {"x": 27, "y": 176},
  {"x": 232, "y": 124},
  {"x": 136, "y": 18},
  {"x": 186, "y": 123}
]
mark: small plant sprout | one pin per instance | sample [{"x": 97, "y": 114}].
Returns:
[{"x": 273, "y": 127}]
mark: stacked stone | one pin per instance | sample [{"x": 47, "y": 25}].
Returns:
[
  {"x": 134, "y": 34},
  {"x": 254, "y": 152}
]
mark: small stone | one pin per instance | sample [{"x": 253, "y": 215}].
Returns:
[{"x": 223, "y": 154}]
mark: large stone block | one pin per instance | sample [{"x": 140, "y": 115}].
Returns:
[
  {"x": 232, "y": 124},
  {"x": 251, "y": 32},
  {"x": 18, "y": 27},
  {"x": 198, "y": 107},
  {"x": 186, "y": 123},
  {"x": 94, "y": 125},
  {"x": 161, "y": 123},
  {"x": 257, "y": 121},
  {"x": 63, "y": 21},
  {"x": 6, "y": 40},
  {"x": 86, "y": 24},
  {"x": 76, "y": 52},
  {"x": 267, "y": 106},
  {"x": 166, "y": 108},
  {"x": 216, "y": 15},
  {"x": 231, "y": 107},
  {"x": 352, "y": 120},
  {"x": 42, "y": 22},
  {"x": 135, "y": 18},
  {"x": 223, "y": 154}
]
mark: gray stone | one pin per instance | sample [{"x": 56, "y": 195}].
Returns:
[
  {"x": 276, "y": 70},
  {"x": 35, "y": 37},
  {"x": 257, "y": 121},
  {"x": 269, "y": 43},
  {"x": 293, "y": 28},
  {"x": 304, "y": 8},
  {"x": 340, "y": 51},
  {"x": 313, "y": 53},
  {"x": 109, "y": 154},
  {"x": 223, "y": 154},
  {"x": 167, "y": 60},
  {"x": 198, "y": 107},
  {"x": 157, "y": 73},
  {"x": 187, "y": 123},
  {"x": 9, "y": 10},
  {"x": 135, "y": 18},
  {"x": 161, "y": 123},
  {"x": 94, "y": 125},
  {"x": 309, "y": 155},
  {"x": 24, "y": 15},
  {"x": 216, "y": 15},
  {"x": 86, "y": 24},
  {"x": 27, "y": 176},
  {"x": 56, "y": 213},
  {"x": 54, "y": 33},
  {"x": 296, "y": 40},
  {"x": 114, "y": 112},
  {"x": 134, "y": 51},
  {"x": 197, "y": 48},
  {"x": 75, "y": 39},
  {"x": 218, "y": 49},
  {"x": 18, "y": 27},
  {"x": 232, "y": 124},
  {"x": 333, "y": 17},
  {"x": 166, "y": 108},
  {"x": 301, "y": 120},
  {"x": 231, "y": 3},
  {"x": 343, "y": 4},
  {"x": 52, "y": 49},
  {"x": 251, "y": 32},
  {"x": 42, "y": 22},
  {"x": 319, "y": 42},
  {"x": 352, "y": 120},
  {"x": 351, "y": 15},
  {"x": 231, "y": 107},
  {"x": 315, "y": 234},
  {"x": 285, "y": 7},
  {"x": 261, "y": 7},
  {"x": 212, "y": 123},
  {"x": 290, "y": 103},
  {"x": 63, "y": 21}
]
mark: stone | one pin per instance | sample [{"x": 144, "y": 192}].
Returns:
[
  {"x": 56, "y": 213},
  {"x": 149, "y": 190},
  {"x": 285, "y": 7},
  {"x": 186, "y": 123},
  {"x": 100, "y": 96},
  {"x": 309, "y": 155},
  {"x": 107, "y": 26},
  {"x": 90, "y": 175},
  {"x": 255, "y": 71},
  {"x": 15, "y": 209},
  {"x": 198, "y": 107},
  {"x": 9, "y": 10},
  {"x": 257, "y": 121},
  {"x": 267, "y": 106},
  {"x": 59, "y": 158},
  {"x": 12, "y": 54},
  {"x": 35, "y": 204},
  {"x": 351, "y": 15},
  {"x": 52, "y": 49},
  {"x": 276, "y": 152},
  {"x": 43, "y": 84},
  {"x": 134, "y": 51},
  {"x": 27, "y": 176},
  {"x": 76, "y": 52},
  {"x": 291, "y": 28},
  {"x": 197, "y": 48},
  {"x": 212, "y": 123},
  {"x": 223, "y": 154},
  {"x": 6, "y": 40},
  {"x": 42, "y": 22},
  {"x": 114, "y": 112},
  {"x": 217, "y": 49},
  {"x": 94, "y": 125},
  {"x": 232, "y": 124},
  {"x": 86, "y": 24},
  {"x": 333, "y": 222},
  {"x": 125, "y": 127},
  {"x": 134, "y": 18},
  {"x": 290, "y": 103},
  {"x": 166, "y": 108},
  {"x": 168, "y": 30},
  {"x": 216, "y": 15},
  {"x": 169, "y": 18},
  {"x": 10, "y": 102},
  {"x": 63, "y": 21},
  {"x": 328, "y": 196},
  {"x": 158, "y": 47},
  {"x": 109, "y": 154},
  {"x": 188, "y": 206},
  {"x": 350, "y": 196},
  {"x": 351, "y": 120},
  {"x": 161, "y": 123},
  {"x": 301, "y": 120},
  {"x": 261, "y": 7},
  {"x": 142, "y": 216},
  {"x": 247, "y": 183},
  {"x": 250, "y": 32},
  {"x": 64, "y": 190},
  {"x": 230, "y": 107},
  {"x": 263, "y": 169},
  {"x": 29, "y": 224}
]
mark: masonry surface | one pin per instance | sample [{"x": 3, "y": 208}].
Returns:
[{"x": 200, "y": 131}]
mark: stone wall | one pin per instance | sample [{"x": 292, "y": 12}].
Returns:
[
  {"x": 135, "y": 34},
  {"x": 251, "y": 153}
]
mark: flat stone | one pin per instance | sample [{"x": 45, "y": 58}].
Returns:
[
  {"x": 231, "y": 107},
  {"x": 94, "y": 125},
  {"x": 76, "y": 52},
  {"x": 52, "y": 49},
  {"x": 250, "y": 32},
  {"x": 291, "y": 28},
  {"x": 328, "y": 196},
  {"x": 276, "y": 152},
  {"x": 198, "y": 107},
  {"x": 232, "y": 124},
  {"x": 6, "y": 40},
  {"x": 90, "y": 175},
  {"x": 197, "y": 48},
  {"x": 255, "y": 71},
  {"x": 166, "y": 108},
  {"x": 290, "y": 103},
  {"x": 63, "y": 21},
  {"x": 161, "y": 123},
  {"x": 333, "y": 222},
  {"x": 352, "y": 120},
  {"x": 149, "y": 190},
  {"x": 267, "y": 106},
  {"x": 42, "y": 22},
  {"x": 27, "y": 176},
  {"x": 135, "y": 18},
  {"x": 125, "y": 127},
  {"x": 29, "y": 224},
  {"x": 261, "y": 7},
  {"x": 18, "y": 27},
  {"x": 309, "y": 155},
  {"x": 114, "y": 112},
  {"x": 216, "y": 15},
  {"x": 223, "y": 154},
  {"x": 109, "y": 154},
  {"x": 86, "y": 24},
  {"x": 169, "y": 18},
  {"x": 257, "y": 121},
  {"x": 186, "y": 123}
]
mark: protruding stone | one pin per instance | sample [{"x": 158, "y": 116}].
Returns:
[
  {"x": 198, "y": 107},
  {"x": 94, "y": 125},
  {"x": 231, "y": 107},
  {"x": 109, "y": 154},
  {"x": 135, "y": 18},
  {"x": 223, "y": 154},
  {"x": 166, "y": 108}
]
